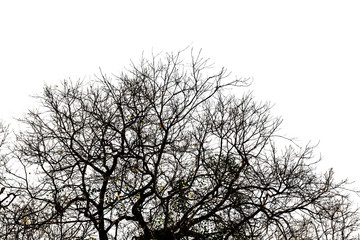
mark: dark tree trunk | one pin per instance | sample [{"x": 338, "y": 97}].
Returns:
[
  {"x": 164, "y": 234},
  {"x": 103, "y": 235}
]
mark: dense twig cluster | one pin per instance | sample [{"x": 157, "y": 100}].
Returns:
[{"x": 161, "y": 152}]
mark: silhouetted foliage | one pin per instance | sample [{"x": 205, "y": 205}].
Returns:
[{"x": 164, "y": 152}]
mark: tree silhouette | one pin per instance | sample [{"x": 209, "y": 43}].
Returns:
[
  {"x": 163, "y": 151},
  {"x": 6, "y": 197}
]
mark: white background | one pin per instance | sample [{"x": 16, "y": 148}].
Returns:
[{"x": 304, "y": 56}]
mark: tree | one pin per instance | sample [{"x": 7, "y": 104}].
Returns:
[
  {"x": 164, "y": 152},
  {"x": 4, "y": 132},
  {"x": 6, "y": 197}
]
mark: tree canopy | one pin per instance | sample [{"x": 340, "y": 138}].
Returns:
[{"x": 164, "y": 151}]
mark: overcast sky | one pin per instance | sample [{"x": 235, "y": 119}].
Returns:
[{"x": 303, "y": 56}]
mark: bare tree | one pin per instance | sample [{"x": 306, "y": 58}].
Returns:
[
  {"x": 162, "y": 152},
  {"x": 4, "y": 132},
  {"x": 6, "y": 197},
  {"x": 334, "y": 219}
]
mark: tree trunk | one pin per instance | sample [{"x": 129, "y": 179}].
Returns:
[{"x": 103, "y": 235}]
